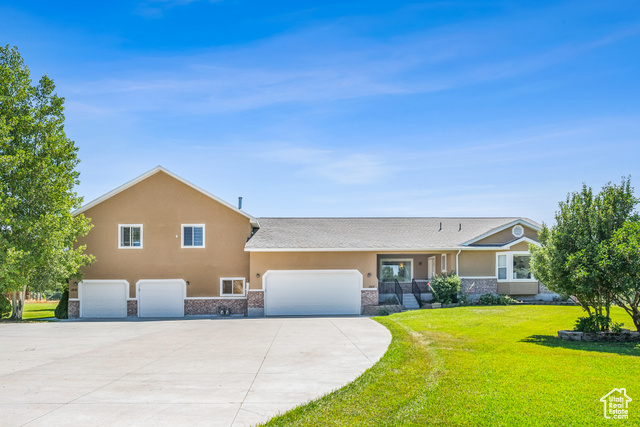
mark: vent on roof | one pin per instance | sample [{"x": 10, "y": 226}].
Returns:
[
  {"x": 239, "y": 202},
  {"x": 460, "y": 227},
  {"x": 440, "y": 226}
]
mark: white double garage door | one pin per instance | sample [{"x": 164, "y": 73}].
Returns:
[
  {"x": 108, "y": 298},
  {"x": 312, "y": 292}
]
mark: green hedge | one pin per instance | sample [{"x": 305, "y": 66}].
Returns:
[
  {"x": 445, "y": 288},
  {"x": 62, "y": 310}
]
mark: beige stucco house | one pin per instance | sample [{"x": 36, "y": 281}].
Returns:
[{"x": 167, "y": 248}]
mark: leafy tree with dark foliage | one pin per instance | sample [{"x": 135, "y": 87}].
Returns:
[{"x": 573, "y": 255}]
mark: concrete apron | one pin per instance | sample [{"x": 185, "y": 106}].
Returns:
[{"x": 218, "y": 372}]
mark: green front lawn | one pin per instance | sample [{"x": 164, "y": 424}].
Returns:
[
  {"x": 38, "y": 310},
  {"x": 487, "y": 366}
]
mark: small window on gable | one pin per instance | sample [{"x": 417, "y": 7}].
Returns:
[
  {"x": 193, "y": 235},
  {"x": 130, "y": 236},
  {"x": 518, "y": 231},
  {"x": 232, "y": 286}
]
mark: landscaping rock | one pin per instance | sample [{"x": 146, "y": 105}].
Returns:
[
  {"x": 432, "y": 305},
  {"x": 624, "y": 336}
]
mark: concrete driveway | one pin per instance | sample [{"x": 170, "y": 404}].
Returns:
[{"x": 179, "y": 372}]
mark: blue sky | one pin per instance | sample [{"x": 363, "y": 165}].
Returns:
[{"x": 339, "y": 108}]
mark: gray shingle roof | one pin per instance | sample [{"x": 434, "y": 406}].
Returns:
[{"x": 371, "y": 233}]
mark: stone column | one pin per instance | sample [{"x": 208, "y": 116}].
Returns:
[
  {"x": 73, "y": 310},
  {"x": 255, "y": 303}
]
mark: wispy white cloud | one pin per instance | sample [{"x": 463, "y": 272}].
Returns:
[
  {"x": 347, "y": 167},
  {"x": 156, "y": 8},
  {"x": 299, "y": 68}
]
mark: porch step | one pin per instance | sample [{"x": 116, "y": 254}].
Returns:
[{"x": 409, "y": 302}]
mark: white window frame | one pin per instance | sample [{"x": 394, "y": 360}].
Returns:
[
  {"x": 443, "y": 263},
  {"x": 121, "y": 226},
  {"x": 506, "y": 264},
  {"x": 510, "y": 255},
  {"x": 405, "y": 260},
  {"x": 182, "y": 226},
  {"x": 244, "y": 287}
]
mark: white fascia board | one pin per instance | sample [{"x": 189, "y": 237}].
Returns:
[
  {"x": 341, "y": 250},
  {"x": 499, "y": 229},
  {"x": 520, "y": 240},
  {"x": 403, "y": 250},
  {"x": 254, "y": 221}
]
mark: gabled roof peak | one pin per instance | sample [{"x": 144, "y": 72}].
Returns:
[{"x": 152, "y": 172}]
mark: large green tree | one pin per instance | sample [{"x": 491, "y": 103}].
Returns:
[
  {"x": 37, "y": 176},
  {"x": 620, "y": 260},
  {"x": 569, "y": 259}
]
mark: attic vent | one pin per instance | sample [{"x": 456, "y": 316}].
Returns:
[
  {"x": 460, "y": 227},
  {"x": 440, "y": 226},
  {"x": 518, "y": 231}
]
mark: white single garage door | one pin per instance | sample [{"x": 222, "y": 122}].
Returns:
[
  {"x": 161, "y": 298},
  {"x": 103, "y": 298},
  {"x": 312, "y": 292}
]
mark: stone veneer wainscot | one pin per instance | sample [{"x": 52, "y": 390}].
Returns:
[{"x": 211, "y": 306}]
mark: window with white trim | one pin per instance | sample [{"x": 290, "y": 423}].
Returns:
[
  {"x": 502, "y": 267},
  {"x": 130, "y": 236},
  {"x": 232, "y": 286},
  {"x": 514, "y": 267},
  {"x": 193, "y": 235},
  {"x": 443, "y": 263},
  {"x": 521, "y": 268},
  {"x": 396, "y": 269}
]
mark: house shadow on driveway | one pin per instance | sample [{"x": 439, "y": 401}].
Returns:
[{"x": 621, "y": 348}]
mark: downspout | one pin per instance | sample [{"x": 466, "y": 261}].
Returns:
[{"x": 458, "y": 271}]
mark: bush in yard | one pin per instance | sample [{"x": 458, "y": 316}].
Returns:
[
  {"x": 445, "y": 288},
  {"x": 5, "y": 305},
  {"x": 491, "y": 299},
  {"x": 488, "y": 299},
  {"x": 595, "y": 324},
  {"x": 62, "y": 309}
]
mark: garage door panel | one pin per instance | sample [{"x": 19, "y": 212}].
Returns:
[
  {"x": 312, "y": 292},
  {"x": 103, "y": 299},
  {"x": 161, "y": 298}
]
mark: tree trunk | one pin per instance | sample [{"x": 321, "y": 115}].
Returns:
[
  {"x": 636, "y": 319},
  {"x": 17, "y": 303},
  {"x": 632, "y": 306}
]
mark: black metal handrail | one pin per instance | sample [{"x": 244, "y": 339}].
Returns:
[
  {"x": 398, "y": 290},
  {"x": 415, "y": 290}
]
